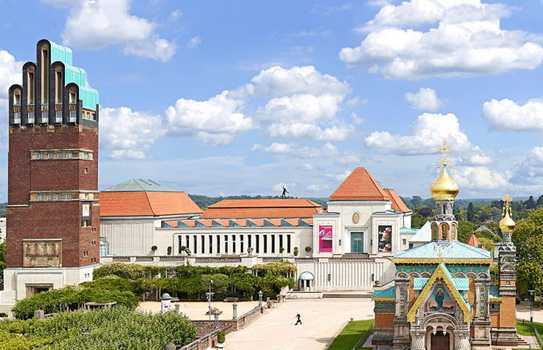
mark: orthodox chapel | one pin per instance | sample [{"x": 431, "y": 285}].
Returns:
[{"x": 443, "y": 295}]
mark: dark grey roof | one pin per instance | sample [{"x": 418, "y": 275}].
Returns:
[{"x": 141, "y": 185}]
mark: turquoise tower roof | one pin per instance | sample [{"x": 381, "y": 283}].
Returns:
[
  {"x": 444, "y": 250},
  {"x": 73, "y": 74}
]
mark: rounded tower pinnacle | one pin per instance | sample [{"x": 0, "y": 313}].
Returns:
[
  {"x": 444, "y": 188},
  {"x": 507, "y": 225}
]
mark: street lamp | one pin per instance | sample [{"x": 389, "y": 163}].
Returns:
[
  {"x": 209, "y": 297},
  {"x": 532, "y": 295},
  {"x": 260, "y": 298}
]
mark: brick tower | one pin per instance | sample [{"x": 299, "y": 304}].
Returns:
[{"x": 53, "y": 212}]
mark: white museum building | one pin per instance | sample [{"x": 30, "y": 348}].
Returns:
[{"x": 343, "y": 247}]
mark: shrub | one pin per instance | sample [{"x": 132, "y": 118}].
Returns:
[
  {"x": 116, "y": 328},
  {"x": 192, "y": 282},
  {"x": 221, "y": 337},
  {"x": 71, "y": 298}
]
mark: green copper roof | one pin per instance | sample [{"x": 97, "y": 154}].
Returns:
[
  {"x": 445, "y": 250},
  {"x": 140, "y": 185},
  {"x": 389, "y": 293},
  {"x": 408, "y": 231},
  {"x": 72, "y": 74}
]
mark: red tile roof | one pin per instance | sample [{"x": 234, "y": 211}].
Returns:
[
  {"x": 359, "y": 186},
  {"x": 397, "y": 203},
  {"x": 114, "y": 204},
  {"x": 263, "y": 208},
  {"x": 207, "y": 223},
  {"x": 474, "y": 241}
]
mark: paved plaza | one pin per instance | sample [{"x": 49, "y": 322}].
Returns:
[
  {"x": 322, "y": 320},
  {"x": 197, "y": 310},
  {"x": 523, "y": 313}
]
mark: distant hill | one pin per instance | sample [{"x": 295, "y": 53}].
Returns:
[{"x": 205, "y": 201}]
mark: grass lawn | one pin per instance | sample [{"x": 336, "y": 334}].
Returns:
[
  {"x": 351, "y": 334},
  {"x": 525, "y": 328}
]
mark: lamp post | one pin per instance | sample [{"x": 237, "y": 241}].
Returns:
[
  {"x": 209, "y": 297},
  {"x": 532, "y": 295},
  {"x": 260, "y": 298}
]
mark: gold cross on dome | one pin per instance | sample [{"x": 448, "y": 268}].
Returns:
[{"x": 444, "y": 149}]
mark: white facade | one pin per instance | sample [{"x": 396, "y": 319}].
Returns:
[
  {"x": 22, "y": 282},
  {"x": 361, "y": 220},
  {"x": 134, "y": 236},
  {"x": 258, "y": 241}
]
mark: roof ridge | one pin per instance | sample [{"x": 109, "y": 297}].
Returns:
[{"x": 149, "y": 202}]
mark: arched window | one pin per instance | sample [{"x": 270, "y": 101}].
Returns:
[
  {"x": 17, "y": 97},
  {"x": 435, "y": 232},
  {"x": 445, "y": 232},
  {"x": 44, "y": 76},
  {"x": 59, "y": 84},
  {"x": 454, "y": 231},
  {"x": 30, "y": 86}
]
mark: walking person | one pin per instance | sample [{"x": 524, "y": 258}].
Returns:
[{"x": 298, "y": 319}]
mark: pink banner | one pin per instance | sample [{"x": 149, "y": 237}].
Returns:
[{"x": 325, "y": 239}]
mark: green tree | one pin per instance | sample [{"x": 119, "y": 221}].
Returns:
[
  {"x": 540, "y": 201},
  {"x": 527, "y": 237},
  {"x": 471, "y": 212},
  {"x": 530, "y": 203},
  {"x": 417, "y": 221},
  {"x": 465, "y": 229}
]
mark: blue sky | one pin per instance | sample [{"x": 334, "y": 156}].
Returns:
[{"x": 240, "y": 97}]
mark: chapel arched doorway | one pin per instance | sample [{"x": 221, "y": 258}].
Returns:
[{"x": 440, "y": 341}]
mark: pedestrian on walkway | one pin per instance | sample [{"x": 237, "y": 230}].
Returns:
[{"x": 298, "y": 319}]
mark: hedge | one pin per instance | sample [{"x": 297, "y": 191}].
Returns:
[
  {"x": 115, "y": 328},
  {"x": 192, "y": 282},
  {"x": 71, "y": 298}
]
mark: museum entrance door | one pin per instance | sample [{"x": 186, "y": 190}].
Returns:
[
  {"x": 357, "y": 242},
  {"x": 440, "y": 341}
]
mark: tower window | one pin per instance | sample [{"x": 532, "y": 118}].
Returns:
[
  {"x": 30, "y": 88},
  {"x": 44, "y": 76},
  {"x": 86, "y": 215},
  {"x": 58, "y": 87},
  {"x": 17, "y": 98}
]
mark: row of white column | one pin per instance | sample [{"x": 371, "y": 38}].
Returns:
[
  {"x": 235, "y": 244},
  {"x": 347, "y": 274}
]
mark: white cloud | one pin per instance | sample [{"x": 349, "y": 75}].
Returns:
[
  {"x": 101, "y": 23},
  {"x": 306, "y": 108},
  {"x": 194, "y": 42},
  {"x": 175, "y": 15},
  {"x": 429, "y": 132},
  {"x": 418, "y": 12},
  {"x": 10, "y": 73},
  {"x": 508, "y": 115},
  {"x": 278, "y": 81},
  {"x": 463, "y": 37},
  {"x": 276, "y": 148},
  {"x": 476, "y": 158},
  {"x": 480, "y": 178},
  {"x": 307, "y": 130},
  {"x": 298, "y": 102},
  {"x": 216, "y": 120},
  {"x": 424, "y": 99},
  {"x": 128, "y": 134},
  {"x": 303, "y": 102},
  {"x": 530, "y": 170}
]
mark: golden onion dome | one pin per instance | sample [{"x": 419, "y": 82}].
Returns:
[
  {"x": 507, "y": 224},
  {"x": 444, "y": 188}
]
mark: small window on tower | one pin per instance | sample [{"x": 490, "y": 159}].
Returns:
[{"x": 85, "y": 215}]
